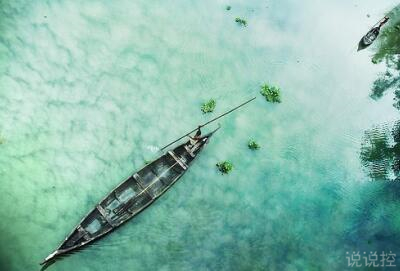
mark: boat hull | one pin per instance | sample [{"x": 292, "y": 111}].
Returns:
[
  {"x": 131, "y": 197},
  {"x": 368, "y": 38}
]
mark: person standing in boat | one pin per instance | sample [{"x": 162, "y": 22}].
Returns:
[
  {"x": 196, "y": 137},
  {"x": 194, "y": 142}
]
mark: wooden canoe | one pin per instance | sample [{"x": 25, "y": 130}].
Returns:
[{"x": 132, "y": 196}]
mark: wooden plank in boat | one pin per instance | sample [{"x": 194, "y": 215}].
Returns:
[
  {"x": 189, "y": 151},
  {"x": 179, "y": 161},
  {"x": 83, "y": 232},
  {"x": 103, "y": 214},
  {"x": 140, "y": 183}
]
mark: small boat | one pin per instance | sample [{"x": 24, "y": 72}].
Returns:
[
  {"x": 136, "y": 193},
  {"x": 372, "y": 34}
]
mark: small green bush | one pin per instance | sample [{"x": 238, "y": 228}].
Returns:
[
  {"x": 228, "y": 7},
  {"x": 225, "y": 167},
  {"x": 253, "y": 145},
  {"x": 272, "y": 94},
  {"x": 209, "y": 106},
  {"x": 241, "y": 21}
]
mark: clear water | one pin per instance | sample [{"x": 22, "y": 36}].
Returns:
[{"x": 90, "y": 89}]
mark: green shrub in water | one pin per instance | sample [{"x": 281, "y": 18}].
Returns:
[
  {"x": 272, "y": 94},
  {"x": 253, "y": 145},
  {"x": 209, "y": 106},
  {"x": 225, "y": 167},
  {"x": 241, "y": 21},
  {"x": 228, "y": 7}
]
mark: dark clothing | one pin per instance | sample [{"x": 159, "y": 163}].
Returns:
[{"x": 198, "y": 133}]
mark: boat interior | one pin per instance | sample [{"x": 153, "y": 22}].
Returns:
[
  {"x": 131, "y": 196},
  {"x": 187, "y": 152},
  {"x": 94, "y": 224}
]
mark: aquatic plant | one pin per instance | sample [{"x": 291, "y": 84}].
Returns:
[
  {"x": 209, "y": 106},
  {"x": 224, "y": 167},
  {"x": 272, "y": 94},
  {"x": 228, "y": 7},
  {"x": 241, "y": 21},
  {"x": 2, "y": 140},
  {"x": 253, "y": 145}
]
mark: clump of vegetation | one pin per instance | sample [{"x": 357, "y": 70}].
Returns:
[
  {"x": 2, "y": 140},
  {"x": 272, "y": 94},
  {"x": 253, "y": 145},
  {"x": 209, "y": 106},
  {"x": 225, "y": 167},
  {"x": 241, "y": 21},
  {"x": 228, "y": 7}
]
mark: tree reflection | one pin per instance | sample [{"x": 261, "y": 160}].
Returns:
[
  {"x": 380, "y": 152},
  {"x": 389, "y": 51}
]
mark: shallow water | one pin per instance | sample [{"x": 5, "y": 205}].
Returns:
[{"x": 90, "y": 89}]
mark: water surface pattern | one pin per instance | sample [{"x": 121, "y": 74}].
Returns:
[{"x": 90, "y": 89}]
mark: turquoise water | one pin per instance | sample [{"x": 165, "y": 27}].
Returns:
[{"x": 90, "y": 89}]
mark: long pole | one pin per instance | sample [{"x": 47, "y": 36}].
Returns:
[{"x": 208, "y": 122}]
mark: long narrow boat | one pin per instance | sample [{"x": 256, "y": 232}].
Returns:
[
  {"x": 133, "y": 195},
  {"x": 372, "y": 34},
  {"x": 136, "y": 193}
]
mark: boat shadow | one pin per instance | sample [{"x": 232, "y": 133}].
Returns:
[{"x": 63, "y": 256}]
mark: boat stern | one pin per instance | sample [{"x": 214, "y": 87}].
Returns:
[{"x": 50, "y": 257}]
